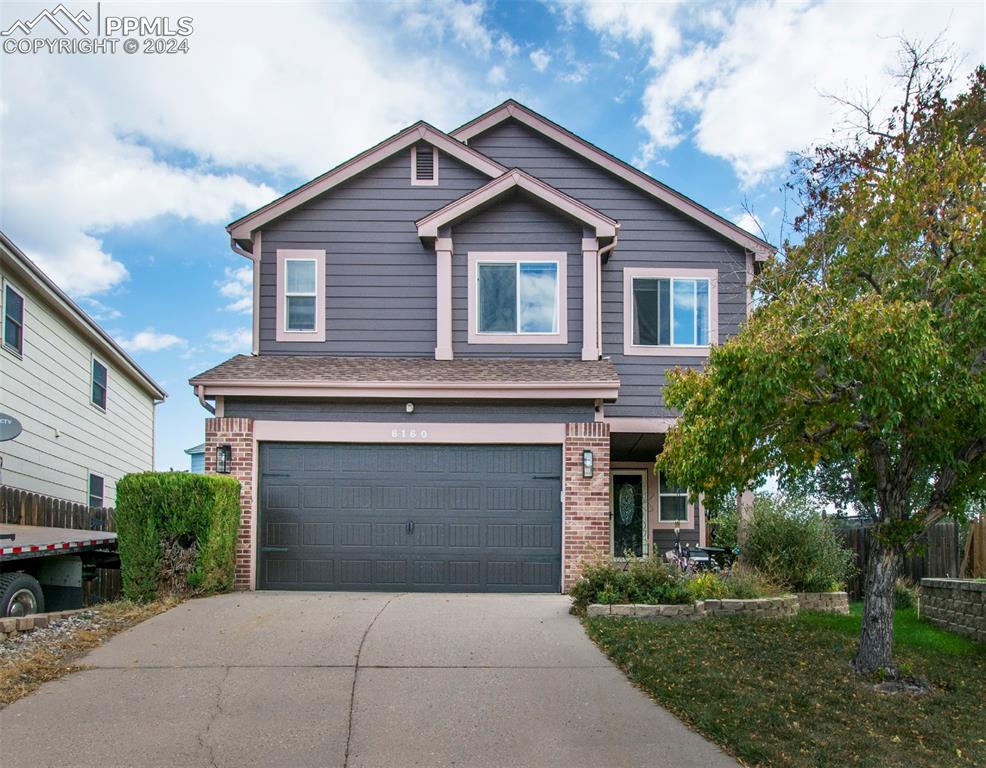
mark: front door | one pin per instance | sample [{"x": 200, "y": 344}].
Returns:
[{"x": 628, "y": 509}]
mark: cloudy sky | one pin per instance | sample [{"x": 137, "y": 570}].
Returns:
[{"x": 119, "y": 172}]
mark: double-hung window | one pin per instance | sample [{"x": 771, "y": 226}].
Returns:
[
  {"x": 99, "y": 385},
  {"x": 517, "y": 299},
  {"x": 300, "y": 292},
  {"x": 96, "y": 485},
  {"x": 13, "y": 320},
  {"x": 668, "y": 313},
  {"x": 672, "y": 502}
]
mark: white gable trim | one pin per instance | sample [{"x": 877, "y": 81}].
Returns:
[
  {"x": 628, "y": 173},
  {"x": 241, "y": 229},
  {"x": 428, "y": 226}
]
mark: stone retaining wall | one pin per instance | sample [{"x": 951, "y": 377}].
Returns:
[
  {"x": 11, "y": 626},
  {"x": 826, "y": 602},
  {"x": 763, "y": 608},
  {"x": 957, "y": 605}
]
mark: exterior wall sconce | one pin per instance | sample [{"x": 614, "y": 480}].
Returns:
[
  {"x": 224, "y": 459},
  {"x": 586, "y": 463}
]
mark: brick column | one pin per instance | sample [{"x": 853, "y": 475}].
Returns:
[
  {"x": 238, "y": 433},
  {"x": 586, "y": 530}
]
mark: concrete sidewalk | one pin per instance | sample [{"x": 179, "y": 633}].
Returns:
[{"x": 347, "y": 679}]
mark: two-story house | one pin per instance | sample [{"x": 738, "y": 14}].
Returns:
[
  {"x": 459, "y": 347},
  {"x": 87, "y": 409}
]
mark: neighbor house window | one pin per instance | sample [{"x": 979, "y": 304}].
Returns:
[
  {"x": 669, "y": 313},
  {"x": 13, "y": 320},
  {"x": 95, "y": 490},
  {"x": 515, "y": 298},
  {"x": 99, "y": 383},
  {"x": 672, "y": 502},
  {"x": 300, "y": 292}
]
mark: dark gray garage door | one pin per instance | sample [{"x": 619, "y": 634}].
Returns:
[{"x": 410, "y": 517}]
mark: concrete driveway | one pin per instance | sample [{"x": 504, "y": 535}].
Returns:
[{"x": 343, "y": 679}]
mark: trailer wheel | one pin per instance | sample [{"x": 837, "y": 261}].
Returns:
[{"x": 20, "y": 595}]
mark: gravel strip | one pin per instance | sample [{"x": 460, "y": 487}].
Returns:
[{"x": 18, "y": 645}]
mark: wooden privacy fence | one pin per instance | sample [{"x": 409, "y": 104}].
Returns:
[
  {"x": 19, "y": 507},
  {"x": 939, "y": 557}
]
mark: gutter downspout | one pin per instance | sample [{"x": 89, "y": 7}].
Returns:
[
  {"x": 607, "y": 248},
  {"x": 200, "y": 391},
  {"x": 255, "y": 259},
  {"x": 599, "y": 286}
]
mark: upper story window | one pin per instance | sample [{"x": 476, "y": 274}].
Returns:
[
  {"x": 13, "y": 320},
  {"x": 424, "y": 165},
  {"x": 99, "y": 384},
  {"x": 670, "y": 312},
  {"x": 517, "y": 298},
  {"x": 300, "y": 295}
]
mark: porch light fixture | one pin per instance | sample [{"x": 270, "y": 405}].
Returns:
[
  {"x": 224, "y": 459},
  {"x": 586, "y": 463}
]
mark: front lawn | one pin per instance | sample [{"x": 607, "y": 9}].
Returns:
[{"x": 780, "y": 692}]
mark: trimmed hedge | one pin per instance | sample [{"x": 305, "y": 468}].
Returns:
[{"x": 153, "y": 508}]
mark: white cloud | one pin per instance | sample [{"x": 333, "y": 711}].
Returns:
[
  {"x": 150, "y": 340},
  {"x": 497, "y": 75},
  {"x": 237, "y": 285},
  {"x": 750, "y": 222},
  {"x": 98, "y": 311},
  {"x": 231, "y": 342},
  {"x": 93, "y": 143},
  {"x": 747, "y": 83},
  {"x": 540, "y": 59},
  {"x": 462, "y": 21}
]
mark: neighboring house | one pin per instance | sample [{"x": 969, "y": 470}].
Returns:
[
  {"x": 86, "y": 407},
  {"x": 459, "y": 346},
  {"x": 196, "y": 459}
]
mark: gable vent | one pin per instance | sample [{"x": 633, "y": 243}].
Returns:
[{"x": 424, "y": 165}]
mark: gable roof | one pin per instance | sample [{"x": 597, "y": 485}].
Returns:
[
  {"x": 104, "y": 344},
  {"x": 515, "y": 178},
  {"x": 242, "y": 228},
  {"x": 513, "y": 109}
]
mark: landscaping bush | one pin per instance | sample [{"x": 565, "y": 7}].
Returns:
[
  {"x": 905, "y": 595},
  {"x": 791, "y": 544},
  {"x": 744, "y": 582},
  {"x": 177, "y": 533}
]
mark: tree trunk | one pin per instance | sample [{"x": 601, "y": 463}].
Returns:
[{"x": 876, "y": 639}]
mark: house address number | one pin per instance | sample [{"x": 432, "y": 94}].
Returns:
[{"x": 409, "y": 434}]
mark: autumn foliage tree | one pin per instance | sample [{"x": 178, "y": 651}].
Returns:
[{"x": 862, "y": 365}]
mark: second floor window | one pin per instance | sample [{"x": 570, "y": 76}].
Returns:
[
  {"x": 300, "y": 295},
  {"x": 99, "y": 384},
  {"x": 670, "y": 311},
  {"x": 517, "y": 297},
  {"x": 13, "y": 320}
]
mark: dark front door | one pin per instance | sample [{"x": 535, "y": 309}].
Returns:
[
  {"x": 467, "y": 518},
  {"x": 628, "y": 508}
]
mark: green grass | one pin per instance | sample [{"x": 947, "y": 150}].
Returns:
[{"x": 780, "y": 692}]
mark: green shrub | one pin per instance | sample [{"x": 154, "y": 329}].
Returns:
[
  {"x": 794, "y": 546},
  {"x": 905, "y": 595},
  {"x": 165, "y": 512},
  {"x": 640, "y": 580},
  {"x": 707, "y": 586},
  {"x": 744, "y": 582}
]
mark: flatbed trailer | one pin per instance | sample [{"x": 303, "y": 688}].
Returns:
[{"x": 44, "y": 568}]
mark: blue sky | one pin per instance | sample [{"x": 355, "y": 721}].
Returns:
[{"x": 118, "y": 173}]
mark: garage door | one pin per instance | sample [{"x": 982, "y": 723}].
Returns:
[{"x": 410, "y": 517}]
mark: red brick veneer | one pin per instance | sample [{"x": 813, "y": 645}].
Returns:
[
  {"x": 238, "y": 433},
  {"x": 586, "y": 499}
]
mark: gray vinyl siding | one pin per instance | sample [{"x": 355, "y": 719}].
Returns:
[
  {"x": 651, "y": 235},
  {"x": 380, "y": 280},
  {"x": 425, "y": 411},
  {"x": 516, "y": 224}
]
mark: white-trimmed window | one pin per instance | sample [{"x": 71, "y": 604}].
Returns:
[
  {"x": 424, "y": 165},
  {"x": 13, "y": 320},
  {"x": 96, "y": 490},
  {"x": 670, "y": 311},
  {"x": 517, "y": 298},
  {"x": 99, "y": 385},
  {"x": 672, "y": 506},
  {"x": 300, "y": 295}
]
